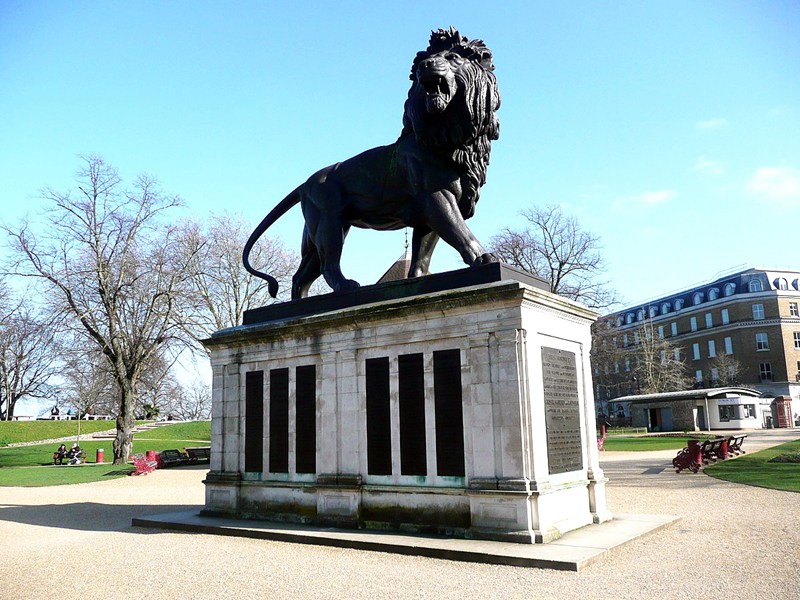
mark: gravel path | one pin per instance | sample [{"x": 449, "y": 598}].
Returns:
[{"x": 76, "y": 542}]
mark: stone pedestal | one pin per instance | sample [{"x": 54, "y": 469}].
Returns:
[{"x": 463, "y": 411}]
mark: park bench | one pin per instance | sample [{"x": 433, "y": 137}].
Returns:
[
  {"x": 735, "y": 444},
  {"x": 170, "y": 458},
  {"x": 143, "y": 465},
  {"x": 198, "y": 454},
  {"x": 714, "y": 449}
]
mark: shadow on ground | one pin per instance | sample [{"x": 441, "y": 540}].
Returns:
[{"x": 86, "y": 516}]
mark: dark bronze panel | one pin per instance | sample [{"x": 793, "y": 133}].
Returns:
[
  {"x": 562, "y": 410},
  {"x": 379, "y": 437},
  {"x": 254, "y": 421},
  {"x": 413, "y": 460},
  {"x": 306, "y": 419},
  {"x": 449, "y": 413},
  {"x": 279, "y": 421}
]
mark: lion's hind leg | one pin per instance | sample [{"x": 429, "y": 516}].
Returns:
[{"x": 309, "y": 269}]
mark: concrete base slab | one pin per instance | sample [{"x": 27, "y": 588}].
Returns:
[{"x": 572, "y": 552}]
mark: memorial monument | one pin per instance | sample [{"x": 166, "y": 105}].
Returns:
[{"x": 458, "y": 403}]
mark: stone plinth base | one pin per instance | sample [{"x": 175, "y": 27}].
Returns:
[{"x": 463, "y": 411}]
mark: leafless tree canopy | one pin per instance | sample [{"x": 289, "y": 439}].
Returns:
[
  {"x": 29, "y": 353},
  {"x": 114, "y": 269},
  {"x": 220, "y": 288},
  {"x": 554, "y": 247},
  {"x": 636, "y": 361}
]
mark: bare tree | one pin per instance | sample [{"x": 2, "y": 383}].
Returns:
[
  {"x": 221, "y": 289},
  {"x": 112, "y": 267},
  {"x": 635, "y": 361},
  {"x": 554, "y": 247},
  {"x": 29, "y": 356},
  {"x": 727, "y": 372},
  {"x": 191, "y": 403}
]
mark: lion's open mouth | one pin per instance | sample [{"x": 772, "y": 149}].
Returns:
[{"x": 438, "y": 92}]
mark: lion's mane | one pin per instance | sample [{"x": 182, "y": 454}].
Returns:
[{"x": 464, "y": 132}]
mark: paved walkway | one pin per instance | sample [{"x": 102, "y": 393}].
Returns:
[{"x": 77, "y": 542}]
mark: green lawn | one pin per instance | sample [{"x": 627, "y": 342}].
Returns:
[
  {"x": 12, "y": 432},
  {"x": 755, "y": 469},
  {"x": 32, "y": 465},
  {"x": 644, "y": 443}
]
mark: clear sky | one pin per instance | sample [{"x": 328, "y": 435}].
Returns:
[{"x": 669, "y": 129}]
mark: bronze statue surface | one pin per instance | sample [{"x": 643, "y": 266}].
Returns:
[{"x": 429, "y": 179}]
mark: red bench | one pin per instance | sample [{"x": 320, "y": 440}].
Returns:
[{"x": 143, "y": 465}]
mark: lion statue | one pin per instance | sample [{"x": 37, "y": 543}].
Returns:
[{"x": 429, "y": 179}]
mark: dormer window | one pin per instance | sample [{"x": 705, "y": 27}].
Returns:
[
  {"x": 729, "y": 289},
  {"x": 713, "y": 294},
  {"x": 653, "y": 311},
  {"x": 697, "y": 298},
  {"x": 679, "y": 304},
  {"x": 629, "y": 318},
  {"x": 781, "y": 283},
  {"x": 665, "y": 308},
  {"x": 755, "y": 285}
]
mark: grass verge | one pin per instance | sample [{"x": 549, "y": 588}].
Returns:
[
  {"x": 13, "y": 432},
  {"x": 46, "y": 476},
  {"x": 757, "y": 470},
  {"x": 647, "y": 443}
]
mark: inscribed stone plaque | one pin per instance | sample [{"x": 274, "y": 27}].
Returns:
[{"x": 562, "y": 410}]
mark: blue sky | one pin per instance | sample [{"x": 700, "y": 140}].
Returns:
[{"x": 671, "y": 130}]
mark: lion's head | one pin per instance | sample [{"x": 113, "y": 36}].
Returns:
[{"x": 454, "y": 98}]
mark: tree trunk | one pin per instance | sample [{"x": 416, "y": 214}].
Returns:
[{"x": 123, "y": 441}]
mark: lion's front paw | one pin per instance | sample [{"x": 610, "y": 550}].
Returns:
[{"x": 485, "y": 259}]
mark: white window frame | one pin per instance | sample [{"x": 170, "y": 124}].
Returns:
[
  {"x": 725, "y": 316},
  {"x": 698, "y": 376},
  {"x": 755, "y": 286},
  {"x": 696, "y": 351},
  {"x": 765, "y": 371},
  {"x": 674, "y": 328},
  {"x": 661, "y": 332},
  {"x": 758, "y": 312},
  {"x": 796, "y": 335},
  {"x": 709, "y": 321},
  {"x": 693, "y": 323},
  {"x": 762, "y": 341},
  {"x": 729, "y": 346},
  {"x": 712, "y": 349},
  {"x": 793, "y": 311}
]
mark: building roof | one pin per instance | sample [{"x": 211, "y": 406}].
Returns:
[
  {"x": 688, "y": 395},
  {"x": 398, "y": 270}
]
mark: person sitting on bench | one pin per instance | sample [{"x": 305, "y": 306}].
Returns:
[
  {"x": 58, "y": 455},
  {"x": 75, "y": 455}
]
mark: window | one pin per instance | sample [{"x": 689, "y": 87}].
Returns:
[
  {"x": 616, "y": 367},
  {"x": 665, "y": 308},
  {"x": 627, "y": 364},
  {"x": 713, "y": 294},
  {"x": 653, "y": 311},
  {"x": 729, "y": 289},
  {"x": 758, "y": 311},
  {"x": 765, "y": 371},
  {"x": 726, "y": 412},
  {"x": 725, "y": 316},
  {"x": 731, "y": 374},
  {"x": 712, "y": 349},
  {"x": 614, "y": 341},
  {"x": 629, "y": 318},
  {"x": 748, "y": 411},
  {"x": 635, "y": 338},
  {"x": 796, "y": 335},
  {"x": 693, "y": 323},
  {"x": 781, "y": 284},
  {"x": 676, "y": 354},
  {"x": 762, "y": 341},
  {"x": 696, "y": 351},
  {"x": 698, "y": 376},
  {"x": 679, "y": 304},
  {"x": 728, "y": 346},
  {"x": 661, "y": 332},
  {"x": 709, "y": 321},
  {"x": 620, "y": 321},
  {"x": 674, "y": 328},
  {"x": 793, "y": 309},
  {"x": 714, "y": 375},
  {"x": 697, "y": 298},
  {"x": 755, "y": 285},
  {"x": 640, "y": 314},
  {"x": 663, "y": 357},
  {"x": 625, "y": 340}
]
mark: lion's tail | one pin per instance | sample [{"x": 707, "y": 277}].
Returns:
[{"x": 275, "y": 214}]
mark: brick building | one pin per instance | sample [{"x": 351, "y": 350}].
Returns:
[{"x": 742, "y": 329}]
